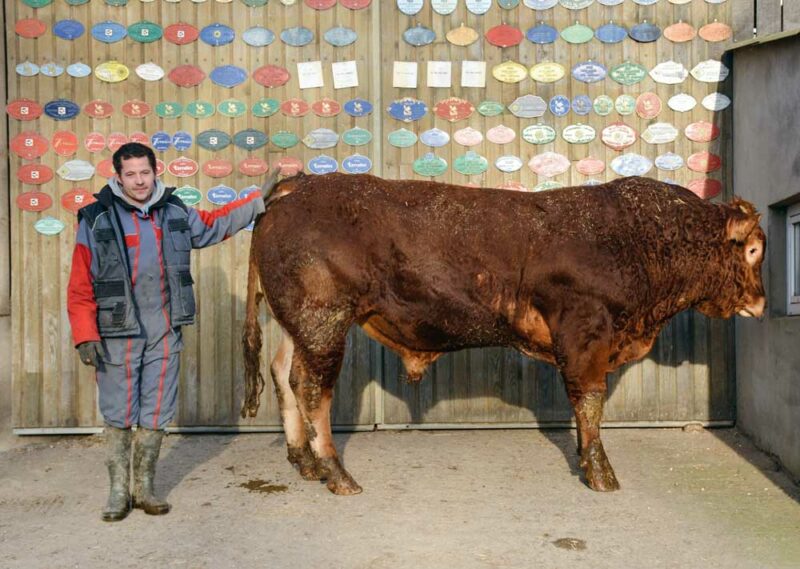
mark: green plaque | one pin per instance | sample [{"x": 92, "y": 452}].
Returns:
[
  {"x": 266, "y": 107},
  {"x": 49, "y": 226},
  {"x": 548, "y": 185},
  {"x": 539, "y": 134},
  {"x": 232, "y": 108},
  {"x": 255, "y": 3},
  {"x": 169, "y": 110},
  {"x": 625, "y": 104},
  {"x": 145, "y": 32},
  {"x": 577, "y": 33},
  {"x": 200, "y": 109},
  {"x": 189, "y": 195},
  {"x": 628, "y": 73},
  {"x": 76, "y": 2},
  {"x": 471, "y": 164},
  {"x": 603, "y": 105},
  {"x": 117, "y": 2},
  {"x": 357, "y": 136},
  {"x": 285, "y": 139},
  {"x": 430, "y": 165},
  {"x": 402, "y": 138},
  {"x": 37, "y": 3},
  {"x": 490, "y": 108}
]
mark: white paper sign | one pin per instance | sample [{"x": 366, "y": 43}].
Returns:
[
  {"x": 309, "y": 74},
  {"x": 473, "y": 74},
  {"x": 439, "y": 74},
  {"x": 405, "y": 74},
  {"x": 345, "y": 74}
]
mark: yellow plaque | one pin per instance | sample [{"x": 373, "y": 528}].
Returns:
[
  {"x": 547, "y": 72},
  {"x": 462, "y": 35},
  {"x": 510, "y": 72},
  {"x": 111, "y": 72}
]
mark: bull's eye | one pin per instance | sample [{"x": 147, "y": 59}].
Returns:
[{"x": 753, "y": 251}]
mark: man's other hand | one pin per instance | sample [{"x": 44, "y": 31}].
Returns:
[{"x": 90, "y": 353}]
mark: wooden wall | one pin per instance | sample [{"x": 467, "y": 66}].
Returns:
[
  {"x": 759, "y": 18},
  {"x": 688, "y": 376}
]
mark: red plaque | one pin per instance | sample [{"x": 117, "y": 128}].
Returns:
[
  {"x": 75, "y": 199},
  {"x": 295, "y": 107},
  {"x": 320, "y": 4},
  {"x": 65, "y": 143},
  {"x": 136, "y": 109},
  {"x": 271, "y": 75},
  {"x": 182, "y": 167},
  {"x": 355, "y": 4},
  {"x": 648, "y": 105},
  {"x": 702, "y": 131},
  {"x": 715, "y": 31},
  {"x": 29, "y": 145},
  {"x": 590, "y": 166},
  {"x": 453, "y": 109},
  {"x": 105, "y": 169},
  {"x": 680, "y": 32},
  {"x": 704, "y": 162},
  {"x": 504, "y": 36},
  {"x": 706, "y": 188},
  {"x": 30, "y": 28},
  {"x": 253, "y": 166},
  {"x": 160, "y": 167},
  {"x": 217, "y": 168},
  {"x": 34, "y": 174},
  {"x": 187, "y": 75},
  {"x": 181, "y": 34},
  {"x": 24, "y": 109},
  {"x": 514, "y": 186},
  {"x": 289, "y": 165},
  {"x": 139, "y": 137},
  {"x": 326, "y": 107},
  {"x": 115, "y": 140},
  {"x": 98, "y": 109},
  {"x": 34, "y": 201},
  {"x": 94, "y": 142}
]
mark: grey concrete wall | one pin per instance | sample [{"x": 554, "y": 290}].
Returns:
[{"x": 766, "y": 99}]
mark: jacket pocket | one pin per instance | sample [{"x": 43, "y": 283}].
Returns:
[
  {"x": 180, "y": 233},
  {"x": 112, "y": 306},
  {"x": 182, "y": 283}
]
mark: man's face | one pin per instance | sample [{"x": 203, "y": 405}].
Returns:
[{"x": 137, "y": 179}]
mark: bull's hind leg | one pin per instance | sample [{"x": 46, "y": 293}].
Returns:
[{"x": 313, "y": 374}]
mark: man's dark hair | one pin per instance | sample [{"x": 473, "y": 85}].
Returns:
[{"x": 133, "y": 150}]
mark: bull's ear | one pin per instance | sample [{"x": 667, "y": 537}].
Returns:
[{"x": 740, "y": 225}]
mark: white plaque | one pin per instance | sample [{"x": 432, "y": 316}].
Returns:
[
  {"x": 345, "y": 74},
  {"x": 309, "y": 74},
  {"x": 473, "y": 74},
  {"x": 405, "y": 74},
  {"x": 439, "y": 74}
]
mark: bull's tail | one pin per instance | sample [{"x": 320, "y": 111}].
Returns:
[{"x": 252, "y": 341}]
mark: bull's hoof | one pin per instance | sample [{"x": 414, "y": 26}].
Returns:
[
  {"x": 306, "y": 464},
  {"x": 339, "y": 480},
  {"x": 599, "y": 475}
]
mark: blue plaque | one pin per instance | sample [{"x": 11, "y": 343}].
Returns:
[
  {"x": 410, "y": 7},
  {"x": 79, "y": 70},
  {"x": 645, "y": 32},
  {"x": 161, "y": 141},
  {"x": 408, "y": 109},
  {"x": 508, "y": 4},
  {"x": 297, "y": 36},
  {"x": 109, "y": 32},
  {"x": 221, "y": 195},
  {"x": 182, "y": 140},
  {"x": 582, "y": 105},
  {"x": 358, "y": 107},
  {"x": 611, "y": 33},
  {"x": 589, "y": 71},
  {"x": 356, "y": 164},
  {"x": 250, "y": 139},
  {"x": 542, "y": 34},
  {"x": 247, "y": 191},
  {"x": 228, "y": 76},
  {"x": 419, "y": 35},
  {"x": 559, "y": 105},
  {"x": 645, "y": 2},
  {"x": 61, "y": 110},
  {"x": 323, "y": 165},
  {"x": 68, "y": 29},
  {"x": 258, "y": 36},
  {"x": 213, "y": 139},
  {"x": 479, "y": 7},
  {"x": 669, "y": 161},
  {"x": 434, "y": 138},
  {"x": 217, "y": 34},
  {"x": 321, "y": 138},
  {"x": 631, "y": 165},
  {"x": 540, "y": 4},
  {"x": 610, "y": 2},
  {"x": 340, "y": 36},
  {"x": 51, "y": 69},
  {"x": 27, "y": 69}
]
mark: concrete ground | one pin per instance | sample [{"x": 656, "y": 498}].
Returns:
[{"x": 440, "y": 499}]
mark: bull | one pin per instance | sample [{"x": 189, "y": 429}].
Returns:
[{"x": 583, "y": 278}]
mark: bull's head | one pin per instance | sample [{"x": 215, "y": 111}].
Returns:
[{"x": 743, "y": 253}]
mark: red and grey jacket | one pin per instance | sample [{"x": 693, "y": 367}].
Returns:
[{"x": 131, "y": 271}]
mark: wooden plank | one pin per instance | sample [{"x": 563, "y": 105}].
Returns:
[
  {"x": 768, "y": 17},
  {"x": 5, "y": 195},
  {"x": 743, "y": 20},
  {"x": 791, "y": 15}
]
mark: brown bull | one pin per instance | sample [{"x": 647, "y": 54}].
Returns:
[{"x": 583, "y": 278}]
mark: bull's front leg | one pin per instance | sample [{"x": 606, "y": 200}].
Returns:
[{"x": 588, "y": 409}]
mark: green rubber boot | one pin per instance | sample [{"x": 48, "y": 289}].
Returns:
[
  {"x": 145, "y": 457},
  {"x": 118, "y": 461}
]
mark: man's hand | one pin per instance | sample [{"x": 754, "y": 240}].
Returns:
[
  {"x": 90, "y": 353},
  {"x": 269, "y": 183}
]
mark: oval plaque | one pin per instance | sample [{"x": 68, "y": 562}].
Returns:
[
  {"x": 181, "y": 33},
  {"x": 160, "y": 141},
  {"x": 434, "y": 138},
  {"x": 265, "y": 107},
  {"x": 540, "y": 4},
  {"x": 250, "y": 139},
  {"x": 356, "y": 164},
  {"x": 317, "y": 4},
  {"x": 490, "y": 108},
  {"x": 645, "y": 32},
  {"x": 577, "y": 33},
  {"x": 24, "y": 109},
  {"x": 402, "y": 138},
  {"x": 479, "y": 7},
  {"x": 284, "y": 139},
  {"x": 618, "y": 136},
  {"x": 68, "y": 29},
  {"x": 232, "y": 108},
  {"x": 109, "y": 32},
  {"x": 549, "y": 164},
  {"x": 682, "y": 102},
  {"x": 508, "y": 163},
  {"x": 660, "y": 133},
  {"x": 64, "y": 143},
  {"x": 444, "y": 7},
  {"x": 200, "y": 109},
  {"x": 716, "y": 102},
  {"x": 710, "y": 71},
  {"x": 105, "y": 168},
  {"x": 213, "y": 139},
  {"x": 419, "y": 35},
  {"x": 228, "y": 76},
  {"x": 702, "y": 131},
  {"x": 648, "y": 105},
  {"x": 500, "y": 134},
  {"x": 542, "y": 34},
  {"x": 611, "y": 33},
  {"x": 358, "y": 107},
  {"x": 115, "y": 140},
  {"x": 187, "y": 75},
  {"x": 669, "y": 161},
  {"x": 357, "y": 136},
  {"x": 504, "y": 36},
  {"x": 221, "y": 195},
  {"x": 547, "y": 185},
  {"x": 150, "y": 72},
  {"x": 321, "y": 138},
  {"x": 27, "y": 69},
  {"x": 295, "y": 108},
  {"x": 188, "y": 195},
  {"x": 704, "y": 162},
  {"x": 539, "y": 134},
  {"x": 470, "y": 164},
  {"x": 603, "y": 105},
  {"x": 680, "y": 32},
  {"x": 578, "y": 134},
  {"x": 705, "y": 188},
  {"x": 30, "y": 28},
  {"x": 98, "y": 109},
  {"x": 410, "y": 7},
  {"x": 576, "y": 4},
  {"x": 468, "y": 136},
  {"x": 510, "y": 72},
  {"x": 631, "y": 165},
  {"x": 430, "y": 165},
  {"x": 326, "y": 107},
  {"x": 36, "y": 174},
  {"x": 49, "y": 226},
  {"x": 355, "y": 4},
  {"x": 271, "y": 75},
  {"x": 559, "y": 105},
  {"x": 253, "y": 166},
  {"x": 182, "y": 167},
  {"x": 145, "y": 32},
  {"x": 135, "y": 109},
  {"x": 716, "y": 31},
  {"x": 590, "y": 166},
  {"x": 589, "y": 71},
  {"x": 217, "y": 34},
  {"x": 289, "y": 165},
  {"x": 75, "y": 170},
  {"x": 79, "y": 70},
  {"x": 258, "y": 36},
  {"x": 297, "y": 36},
  {"x": 340, "y": 36},
  {"x": 407, "y": 109},
  {"x": 625, "y": 104},
  {"x": 462, "y": 36},
  {"x": 217, "y": 168},
  {"x": 94, "y": 142},
  {"x": 669, "y": 73},
  {"x": 547, "y": 72},
  {"x": 528, "y": 106},
  {"x": 51, "y": 69},
  {"x": 75, "y": 199},
  {"x": 628, "y": 73},
  {"x": 582, "y": 105},
  {"x": 61, "y": 110},
  {"x": 323, "y": 165},
  {"x": 453, "y": 109},
  {"x": 169, "y": 109}
]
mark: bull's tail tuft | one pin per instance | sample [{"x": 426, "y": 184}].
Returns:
[{"x": 252, "y": 342}]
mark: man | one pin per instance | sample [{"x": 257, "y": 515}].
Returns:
[{"x": 129, "y": 293}]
